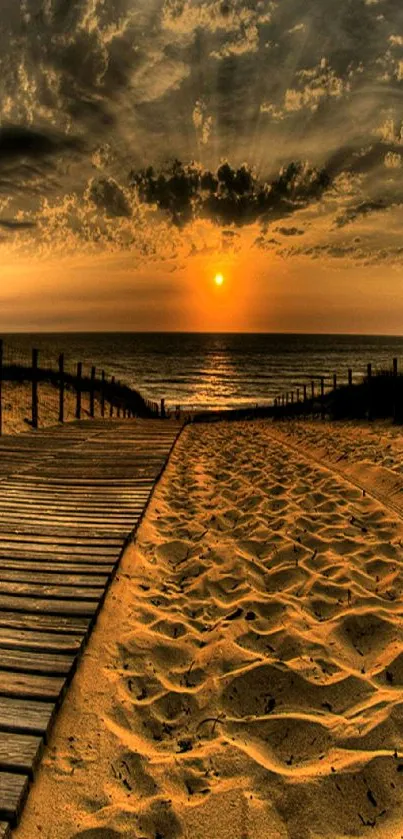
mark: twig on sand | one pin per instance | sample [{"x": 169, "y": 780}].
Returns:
[
  {"x": 187, "y": 675},
  {"x": 214, "y": 720}
]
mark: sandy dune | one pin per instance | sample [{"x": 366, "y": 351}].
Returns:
[
  {"x": 17, "y": 406},
  {"x": 245, "y": 679},
  {"x": 380, "y": 443}
]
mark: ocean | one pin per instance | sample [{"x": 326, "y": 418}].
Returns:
[{"x": 201, "y": 371}]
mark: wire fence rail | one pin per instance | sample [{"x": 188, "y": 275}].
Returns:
[{"x": 38, "y": 390}]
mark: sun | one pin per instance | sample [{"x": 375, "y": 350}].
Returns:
[{"x": 218, "y": 279}]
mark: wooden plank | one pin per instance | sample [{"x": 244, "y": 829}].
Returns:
[
  {"x": 32, "y": 605},
  {"x": 45, "y": 642},
  {"x": 69, "y": 543},
  {"x": 31, "y": 686},
  {"x": 13, "y": 792},
  {"x": 103, "y": 532},
  {"x": 54, "y": 579},
  {"x": 45, "y": 550},
  {"x": 135, "y": 486},
  {"x": 37, "y": 556},
  {"x": 102, "y": 494},
  {"x": 44, "y": 590},
  {"x": 81, "y": 482},
  {"x": 66, "y": 516},
  {"x": 68, "y": 624},
  {"x": 36, "y": 663},
  {"x": 26, "y": 716},
  {"x": 80, "y": 573},
  {"x": 20, "y": 753},
  {"x": 72, "y": 500}
]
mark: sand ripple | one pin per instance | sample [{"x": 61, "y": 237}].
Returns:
[{"x": 256, "y": 688}]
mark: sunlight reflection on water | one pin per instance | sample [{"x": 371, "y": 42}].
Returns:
[{"x": 210, "y": 371}]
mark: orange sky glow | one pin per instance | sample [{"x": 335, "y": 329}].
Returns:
[{"x": 146, "y": 147}]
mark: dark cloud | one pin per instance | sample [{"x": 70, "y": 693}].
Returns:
[
  {"x": 365, "y": 208},
  {"x": 19, "y": 141},
  {"x": 109, "y": 196},
  {"x": 228, "y": 195},
  {"x": 265, "y": 244},
  {"x": 290, "y": 231},
  {"x": 268, "y": 82}
]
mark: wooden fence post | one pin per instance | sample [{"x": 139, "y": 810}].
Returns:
[
  {"x": 34, "y": 371},
  {"x": 1, "y": 387},
  {"x": 112, "y": 395},
  {"x": 61, "y": 387},
  {"x": 78, "y": 389},
  {"x": 92, "y": 392},
  {"x": 394, "y": 388},
  {"x": 103, "y": 394},
  {"x": 350, "y": 389},
  {"x": 297, "y": 394},
  {"x": 118, "y": 411},
  {"x": 163, "y": 414},
  {"x": 322, "y": 397},
  {"x": 369, "y": 375}
]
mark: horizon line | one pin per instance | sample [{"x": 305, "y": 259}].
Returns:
[{"x": 198, "y": 332}]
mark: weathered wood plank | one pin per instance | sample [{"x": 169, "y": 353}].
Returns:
[
  {"x": 13, "y": 792},
  {"x": 58, "y": 567},
  {"x": 44, "y": 642},
  {"x": 68, "y": 543},
  {"x": 38, "y": 556},
  {"x": 19, "y": 753},
  {"x": 103, "y": 532},
  {"x": 54, "y": 579},
  {"x": 36, "y": 663},
  {"x": 82, "y": 482},
  {"x": 34, "y": 548},
  {"x": 25, "y": 716},
  {"x": 42, "y": 590},
  {"x": 57, "y": 515},
  {"x": 32, "y": 605},
  {"x": 31, "y": 686},
  {"x": 68, "y": 624}
]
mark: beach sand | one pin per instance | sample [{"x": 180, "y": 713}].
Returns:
[
  {"x": 245, "y": 677},
  {"x": 17, "y": 407}
]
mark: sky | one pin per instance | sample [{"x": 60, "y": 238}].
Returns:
[{"x": 146, "y": 145}]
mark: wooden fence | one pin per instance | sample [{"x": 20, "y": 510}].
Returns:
[
  {"x": 332, "y": 394},
  {"x": 105, "y": 395}
]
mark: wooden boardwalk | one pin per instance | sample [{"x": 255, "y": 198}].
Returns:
[{"x": 69, "y": 498}]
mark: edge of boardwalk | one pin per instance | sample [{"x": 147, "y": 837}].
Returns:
[{"x": 29, "y": 701}]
